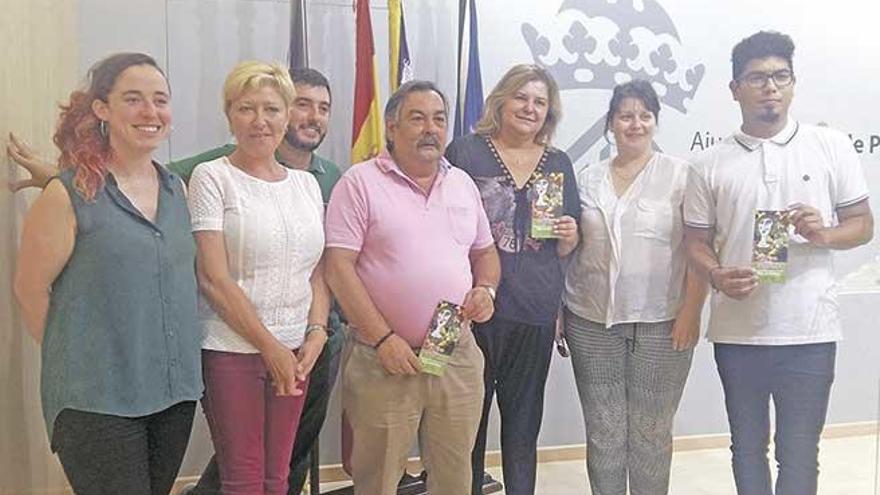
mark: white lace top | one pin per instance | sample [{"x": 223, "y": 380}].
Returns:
[{"x": 274, "y": 238}]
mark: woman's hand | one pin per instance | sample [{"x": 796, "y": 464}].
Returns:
[
  {"x": 685, "y": 330},
  {"x": 282, "y": 365},
  {"x": 309, "y": 352},
  {"x": 565, "y": 229},
  {"x": 22, "y": 154}
]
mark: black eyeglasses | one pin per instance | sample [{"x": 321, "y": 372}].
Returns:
[{"x": 757, "y": 80}]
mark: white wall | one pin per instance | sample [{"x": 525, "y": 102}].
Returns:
[{"x": 836, "y": 64}]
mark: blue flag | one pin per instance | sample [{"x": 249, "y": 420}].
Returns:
[{"x": 469, "y": 91}]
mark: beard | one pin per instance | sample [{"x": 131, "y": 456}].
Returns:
[
  {"x": 295, "y": 142},
  {"x": 771, "y": 114}
]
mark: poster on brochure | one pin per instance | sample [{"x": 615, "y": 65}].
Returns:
[
  {"x": 546, "y": 204},
  {"x": 443, "y": 334},
  {"x": 770, "y": 245}
]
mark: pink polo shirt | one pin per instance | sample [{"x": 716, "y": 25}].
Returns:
[{"x": 413, "y": 248}]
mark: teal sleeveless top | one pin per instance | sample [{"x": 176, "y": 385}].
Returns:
[{"x": 122, "y": 334}]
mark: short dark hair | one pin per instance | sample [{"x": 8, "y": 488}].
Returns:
[
  {"x": 392, "y": 107},
  {"x": 639, "y": 89},
  {"x": 310, "y": 77},
  {"x": 415, "y": 86},
  {"x": 762, "y": 44}
]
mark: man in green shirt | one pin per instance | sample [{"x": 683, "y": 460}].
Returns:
[{"x": 309, "y": 118}]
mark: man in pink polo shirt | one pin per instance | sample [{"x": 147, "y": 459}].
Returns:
[{"x": 405, "y": 231}]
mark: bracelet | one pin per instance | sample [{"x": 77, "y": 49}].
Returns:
[
  {"x": 317, "y": 327},
  {"x": 383, "y": 339}
]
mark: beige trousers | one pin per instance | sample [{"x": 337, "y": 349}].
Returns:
[{"x": 388, "y": 412}]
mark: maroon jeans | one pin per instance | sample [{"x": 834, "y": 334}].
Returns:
[{"x": 252, "y": 428}]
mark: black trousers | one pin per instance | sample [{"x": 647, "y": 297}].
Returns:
[
  {"x": 104, "y": 454},
  {"x": 517, "y": 362},
  {"x": 321, "y": 382}
]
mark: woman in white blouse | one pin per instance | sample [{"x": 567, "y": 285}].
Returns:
[
  {"x": 259, "y": 232},
  {"x": 632, "y": 309}
]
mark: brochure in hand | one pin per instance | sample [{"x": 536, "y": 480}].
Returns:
[
  {"x": 770, "y": 245},
  {"x": 443, "y": 335},
  {"x": 546, "y": 204}
]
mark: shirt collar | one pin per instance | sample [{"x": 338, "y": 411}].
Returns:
[
  {"x": 782, "y": 138},
  {"x": 166, "y": 178},
  {"x": 387, "y": 164},
  {"x": 315, "y": 164}
]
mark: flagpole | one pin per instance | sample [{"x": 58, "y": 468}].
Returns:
[
  {"x": 459, "y": 114},
  {"x": 298, "y": 49}
]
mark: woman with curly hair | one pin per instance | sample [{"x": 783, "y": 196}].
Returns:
[{"x": 106, "y": 285}]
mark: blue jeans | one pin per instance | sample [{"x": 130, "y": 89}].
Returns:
[{"x": 798, "y": 378}]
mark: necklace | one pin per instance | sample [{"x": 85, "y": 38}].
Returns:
[
  {"x": 626, "y": 177},
  {"x": 621, "y": 180},
  {"x": 618, "y": 170},
  {"x": 536, "y": 173}
]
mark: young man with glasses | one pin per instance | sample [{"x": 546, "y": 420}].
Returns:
[{"x": 774, "y": 340}]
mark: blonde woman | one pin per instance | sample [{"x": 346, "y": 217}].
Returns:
[
  {"x": 259, "y": 232},
  {"x": 507, "y": 156}
]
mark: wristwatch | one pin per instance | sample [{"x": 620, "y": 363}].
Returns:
[{"x": 490, "y": 290}]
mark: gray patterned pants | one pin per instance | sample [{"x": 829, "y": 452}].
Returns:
[{"x": 630, "y": 381}]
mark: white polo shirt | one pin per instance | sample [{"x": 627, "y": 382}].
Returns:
[
  {"x": 802, "y": 164},
  {"x": 630, "y": 264}
]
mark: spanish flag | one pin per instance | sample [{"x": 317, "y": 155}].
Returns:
[
  {"x": 366, "y": 138},
  {"x": 399, "y": 65}
]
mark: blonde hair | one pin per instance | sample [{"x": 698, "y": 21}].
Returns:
[
  {"x": 515, "y": 78},
  {"x": 254, "y": 74}
]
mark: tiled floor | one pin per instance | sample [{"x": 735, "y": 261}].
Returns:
[{"x": 847, "y": 465}]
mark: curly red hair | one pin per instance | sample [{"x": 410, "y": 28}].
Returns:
[{"x": 84, "y": 148}]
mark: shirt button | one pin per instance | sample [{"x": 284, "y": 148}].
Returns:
[{"x": 158, "y": 234}]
